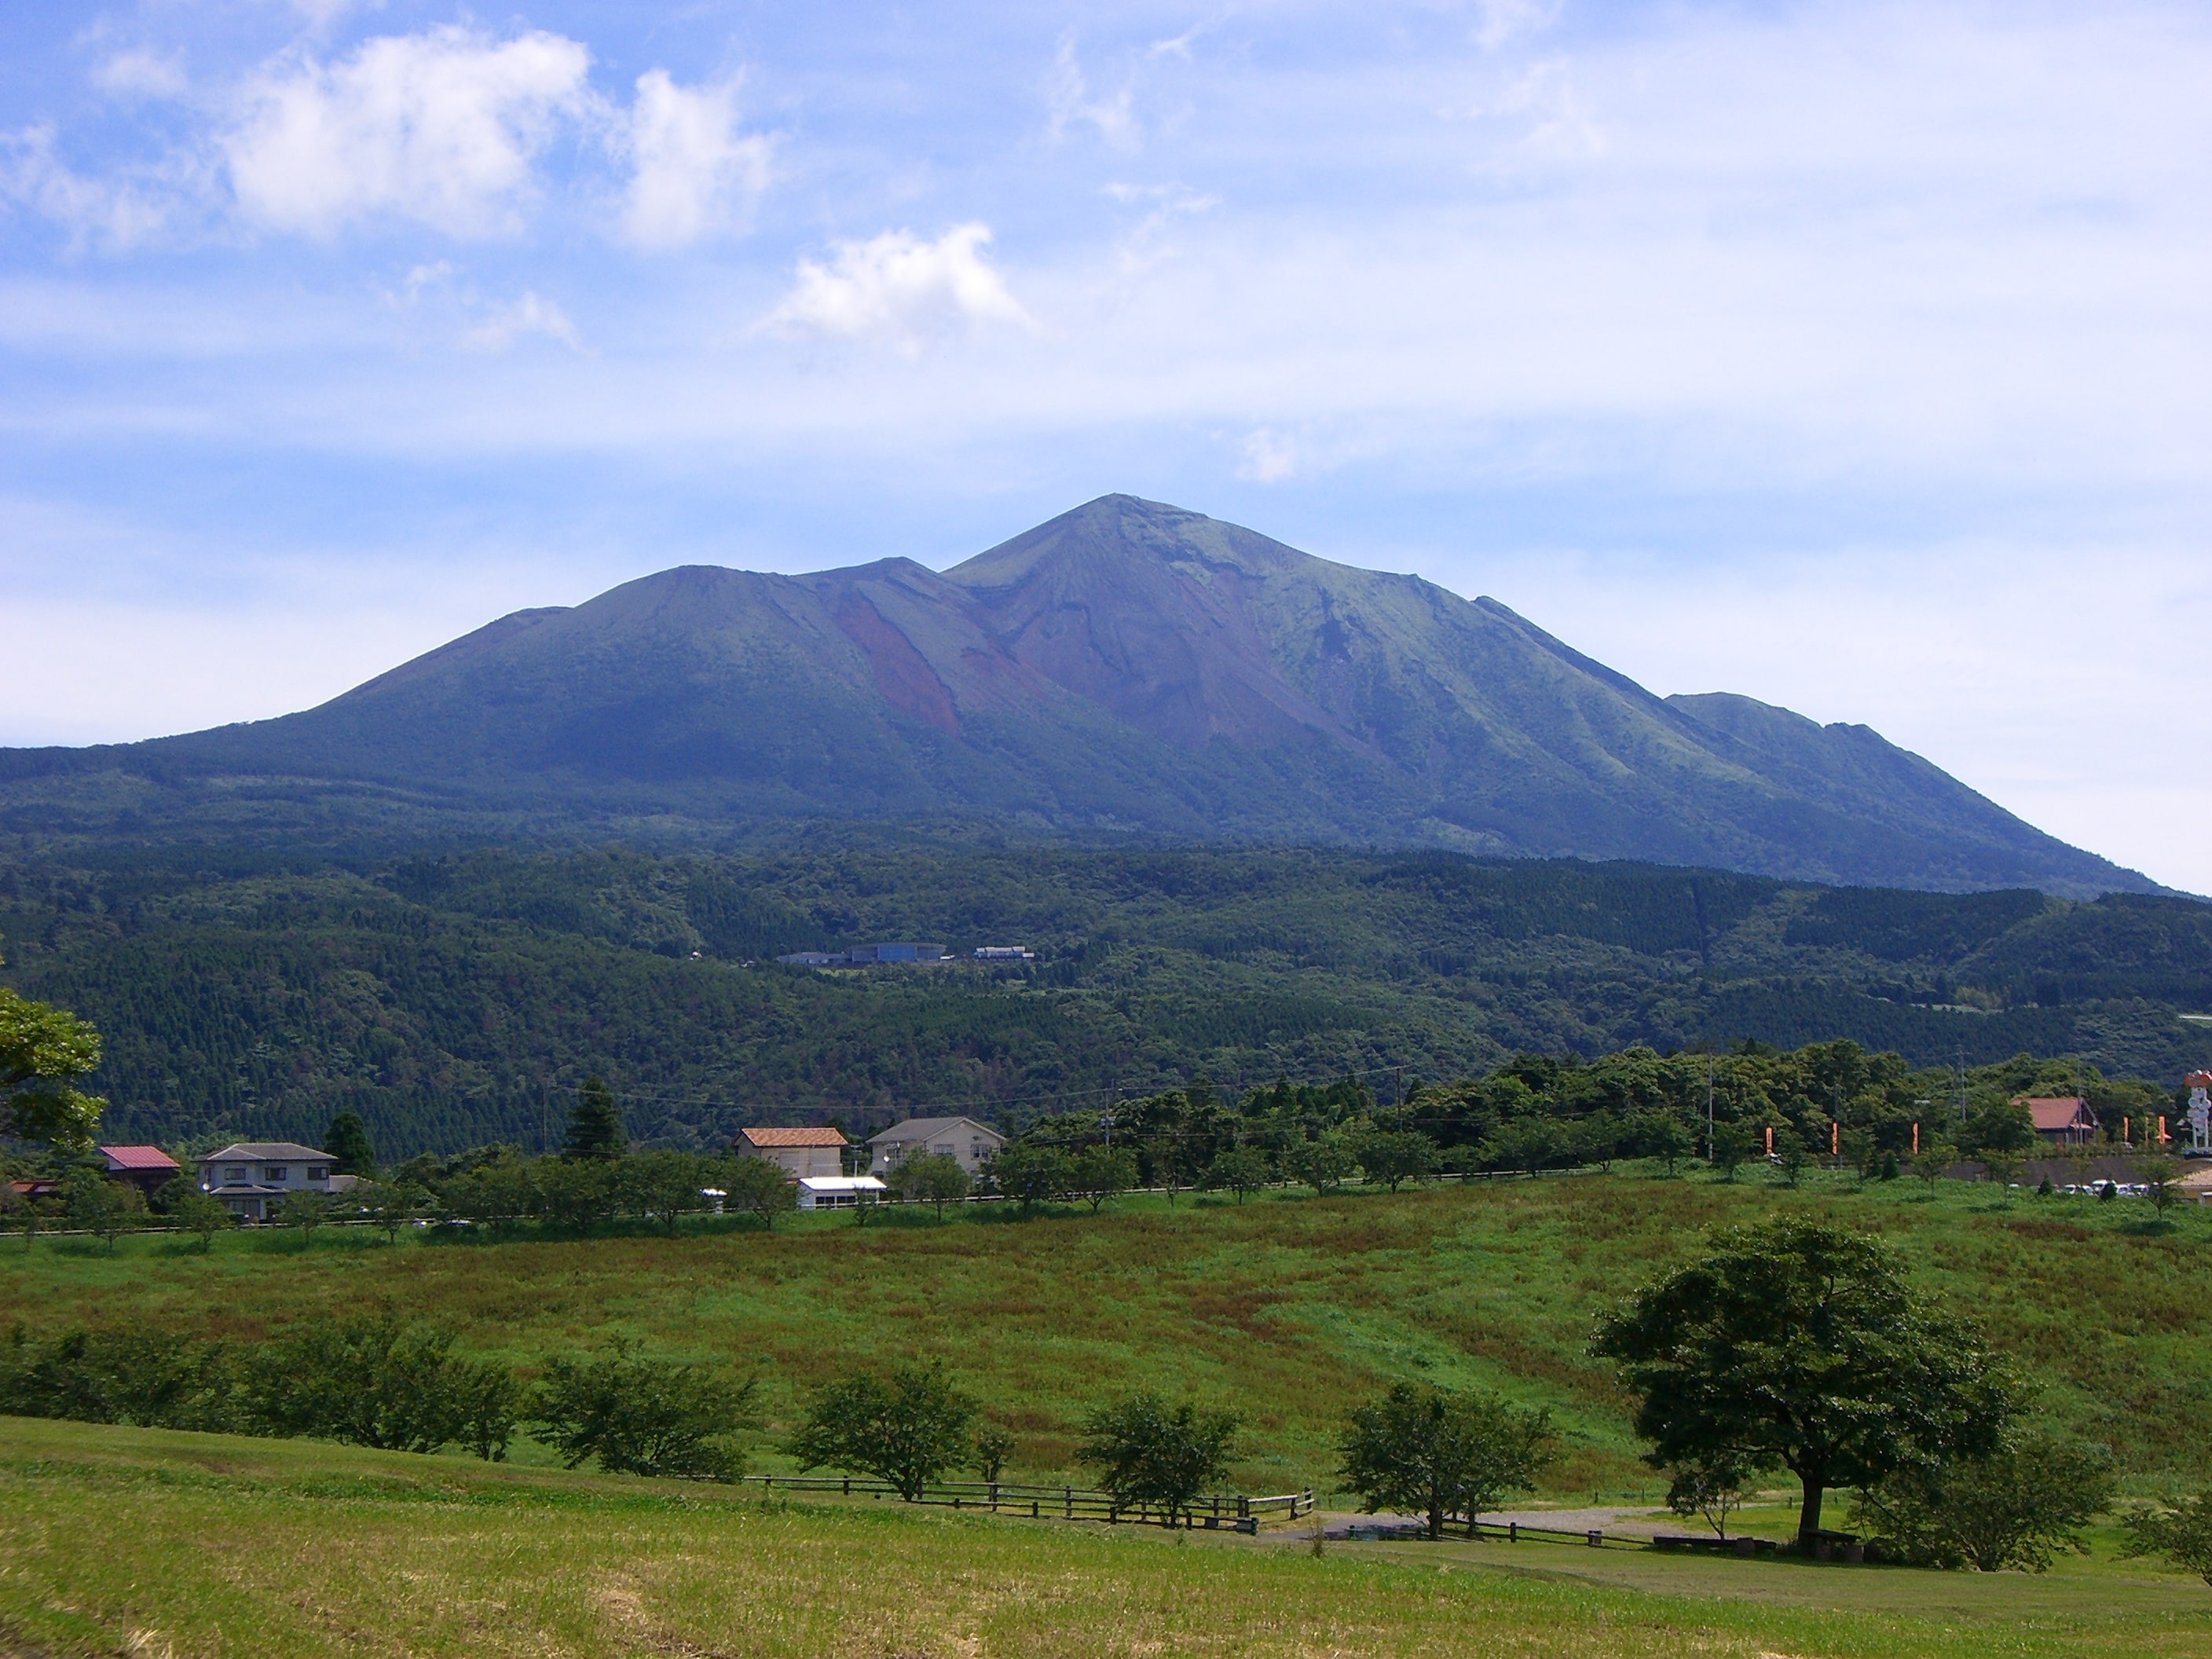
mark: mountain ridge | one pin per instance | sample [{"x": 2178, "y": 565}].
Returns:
[{"x": 1128, "y": 667}]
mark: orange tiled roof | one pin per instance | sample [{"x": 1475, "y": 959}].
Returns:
[{"x": 792, "y": 1137}]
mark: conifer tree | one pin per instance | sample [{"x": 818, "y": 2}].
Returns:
[
  {"x": 595, "y": 1128},
  {"x": 346, "y": 1142}
]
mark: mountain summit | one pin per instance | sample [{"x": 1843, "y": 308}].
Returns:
[{"x": 1127, "y": 666}]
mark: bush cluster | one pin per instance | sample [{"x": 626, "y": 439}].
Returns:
[{"x": 375, "y": 1380}]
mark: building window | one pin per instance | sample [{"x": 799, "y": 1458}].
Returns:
[
  {"x": 273, "y": 1173},
  {"x": 318, "y": 1175},
  {"x": 235, "y": 1175}
]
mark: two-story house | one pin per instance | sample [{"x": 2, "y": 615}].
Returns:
[
  {"x": 960, "y": 1138},
  {"x": 254, "y": 1176},
  {"x": 802, "y": 1154}
]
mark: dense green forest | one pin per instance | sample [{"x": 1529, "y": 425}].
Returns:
[{"x": 459, "y": 998}]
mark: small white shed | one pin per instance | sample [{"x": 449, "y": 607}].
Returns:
[{"x": 839, "y": 1192}]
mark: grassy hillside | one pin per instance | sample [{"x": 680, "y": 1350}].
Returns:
[
  {"x": 458, "y": 998},
  {"x": 1287, "y": 1308},
  {"x": 125, "y": 1540},
  {"x": 166, "y": 1542}
]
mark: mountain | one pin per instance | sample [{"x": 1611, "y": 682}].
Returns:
[{"x": 1126, "y": 667}]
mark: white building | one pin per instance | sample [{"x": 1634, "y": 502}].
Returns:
[
  {"x": 960, "y": 1138},
  {"x": 839, "y": 1192},
  {"x": 252, "y": 1177}
]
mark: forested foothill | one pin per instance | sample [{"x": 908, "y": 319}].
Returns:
[{"x": 459, "y": 1000}]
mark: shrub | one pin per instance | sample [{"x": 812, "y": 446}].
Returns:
[
  {"x": 665, "y": 1186},
  {"x": 1711, "y": 1486},
  {"x": 1030, "y": 1176},
  {"x": 1149, "y": 1455},
  {"x": 151, "y": 1378},
  {"x": 908, "y": 1428},
  {"x": 197, "y": 1213},
  {"x": 2180, "y": 1531},
  {"x": 576, "y": 1194},
  {"x": 96, "y": 1205},
  {"x": 1394, "y": 1156},
  {"x": 755, "y": 1186},
  {"x": 1324, "y": 1163},
  {"x": 643, "y": 1417},
  {"x": 1238, "y": 1169},
  {"x": 1527, "y": 1144},
  {"x": 935, "y": 1178},
  {"x": 375, "y": 1380},
  {"x": 307, "y": 1211},
  {"x": 2015, "y": 1508},
  {"x": 1098, "y": 1173}
]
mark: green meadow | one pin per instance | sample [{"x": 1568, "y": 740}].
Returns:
[
  {"x": 1288, "y": 1308},
  {"x": 116, "y": 1541}
]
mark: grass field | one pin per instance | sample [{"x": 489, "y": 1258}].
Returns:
[
  {"x": 1287, "y": 1308},
  {"x": 132, "y": 1541}
]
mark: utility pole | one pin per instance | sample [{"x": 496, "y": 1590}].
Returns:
[{"x": 1709, "y": 1108}]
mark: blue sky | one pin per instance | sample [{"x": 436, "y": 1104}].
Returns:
[{"x": 1855, "y": 358}]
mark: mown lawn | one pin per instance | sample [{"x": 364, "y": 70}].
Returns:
[
  {"x": 125, "y": 1540},
  {"x": 1287, "y": 1307}
]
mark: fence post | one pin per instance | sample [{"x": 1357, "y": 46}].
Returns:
[
  {"x": 848, "y": 1485},
  {"x": 1512, "y": 1532},
  {"x": 1069, "y": 1493}
]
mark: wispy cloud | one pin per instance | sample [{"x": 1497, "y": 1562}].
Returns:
[
  {"x": 116, "y": 211},
  {"x": 1269, "y": 456},
  {"x": 899, "y": 286},
  {"x": 1499, "y": 22},
  {"x": 1070, "y": 103},
  {"x": 142, "y": 72},
  {"x": 531, "y": 314}
]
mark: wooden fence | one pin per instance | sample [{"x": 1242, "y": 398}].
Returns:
[{"x": 1222, "y": 1511}]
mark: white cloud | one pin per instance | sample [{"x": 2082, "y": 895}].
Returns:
[
  {"x": 694, "y": 173},
  {"x": 113, "y": 212},
  {"x": 531, "y": 314},
  {"x": 141, "y": 73},
  {"x": 1069, "y": 95},
  {"x": 1269, "y": 457},
  {"x": 1502, "y": 22},
  {"x": 443, "y": 127},
  {"x": 900, "y": 286}
]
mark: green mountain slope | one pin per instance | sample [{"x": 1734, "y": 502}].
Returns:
[
  {"x": 460, "y": 998},
  {"x": 1128, "y": 668}
]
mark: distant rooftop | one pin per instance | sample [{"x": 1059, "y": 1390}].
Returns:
[
  {"x": 137, "y": 1157},
  {"x": 266, "y": 1152},
  {"x": 792, "y": 1137}
]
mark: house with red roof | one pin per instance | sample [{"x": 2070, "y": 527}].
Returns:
[
  {"x": 802, "y": 1154},
  {"x": 147, "y": 1168},
  {"x": 2064, "y": 1119}
]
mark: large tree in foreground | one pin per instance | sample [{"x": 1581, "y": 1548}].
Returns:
[
  {"x": 1797, "y": 1344},
  {"x": 43, "y": 1051}
]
